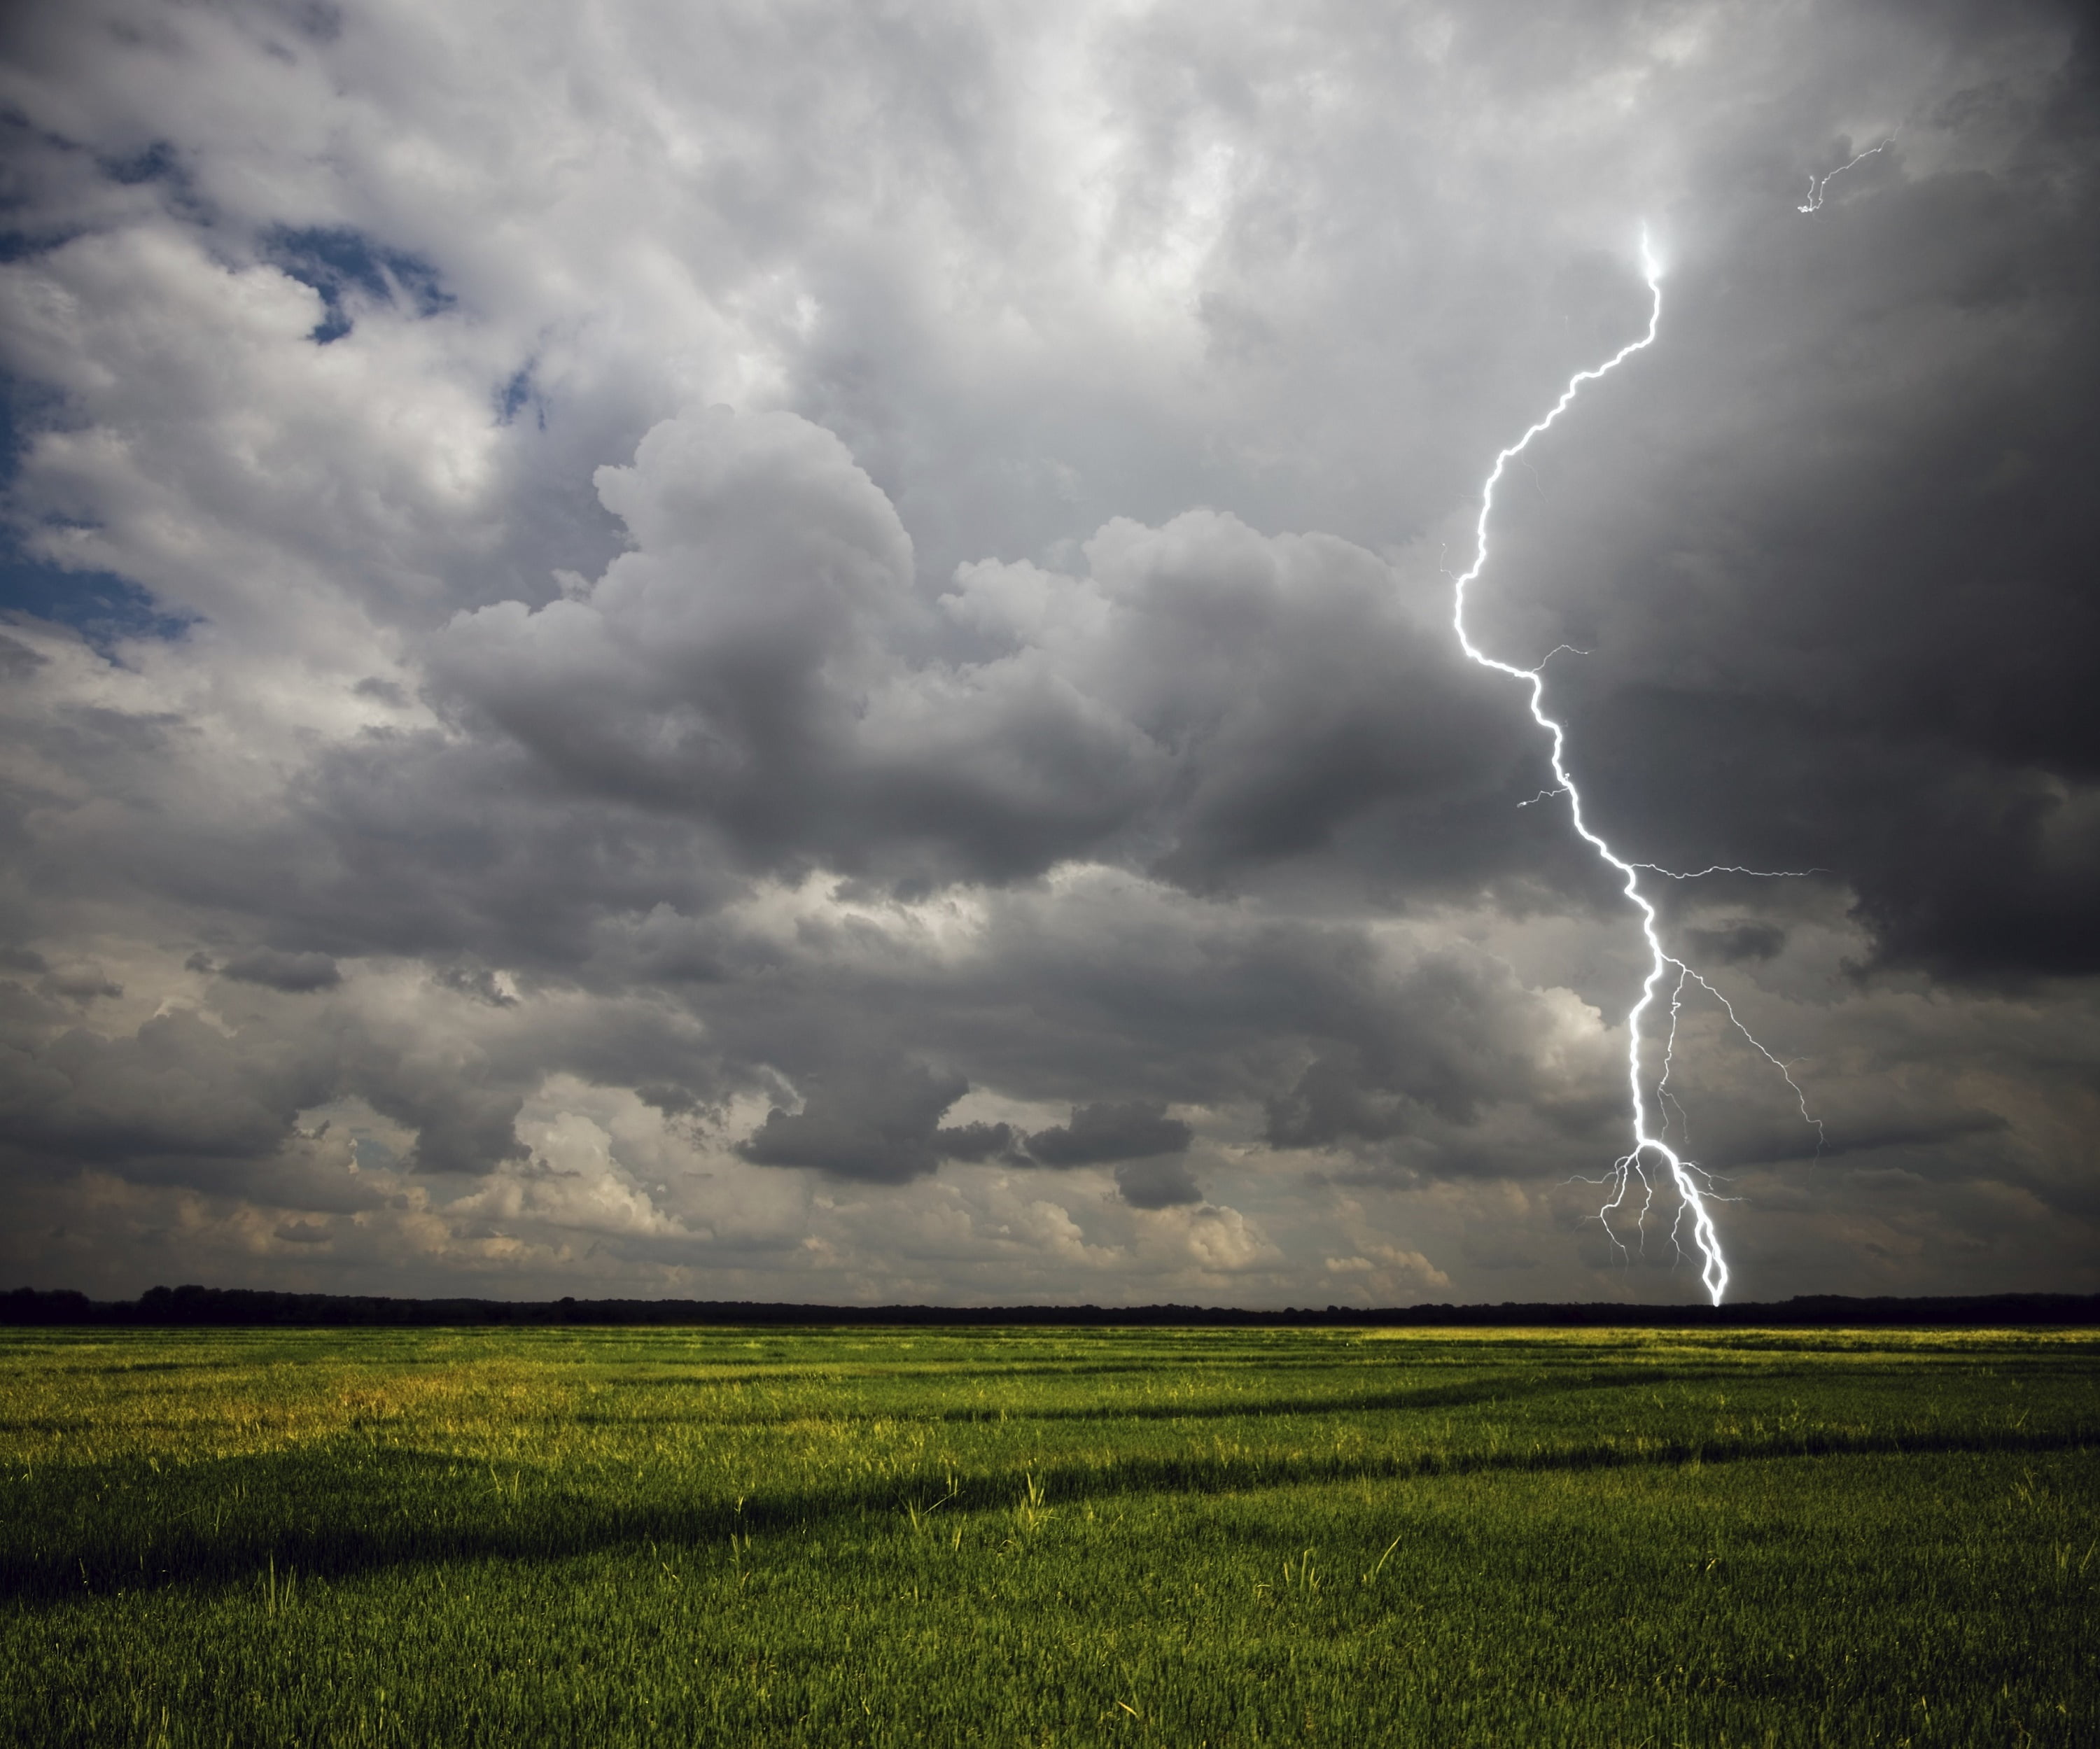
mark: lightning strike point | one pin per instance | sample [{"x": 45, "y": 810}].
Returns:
[{"x": 1694, "y": 1187}]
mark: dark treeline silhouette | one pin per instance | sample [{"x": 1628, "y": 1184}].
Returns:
[{"x": 202, "y": 1307}]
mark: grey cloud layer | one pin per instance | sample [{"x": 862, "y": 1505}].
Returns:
[
  {"x": 743, "y": 648},
  {"x": 1202, "y": 698}
]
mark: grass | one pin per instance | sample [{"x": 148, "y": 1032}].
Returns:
[{"x": 1048, "y": 1537}]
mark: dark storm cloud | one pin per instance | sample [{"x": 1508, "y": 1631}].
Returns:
[
  {"x": 477, "y": 981},
  {"x": 176, "y": 1087},
  {"x": 1833, "y": 552},
  {"x": 1157, "y": 1184},
  {"x": 974, "y": 1144},
  {"x": 1733, "y": 944},
  {"x": 180, "y": 1089},
  {"x": 78, "y": 984},
  {"x": 463, "y": 851},
  {"x": 283, "y": 971},
  {"x": 881, "y": 1126},
  {"x": 1431, "y": 1051},
  {"x": 1136, "y": 1137},
  {"x": 1105, "y": 1131},
  {"x": 957, "y": 718},
  {"x": 1130, "y": 991}
]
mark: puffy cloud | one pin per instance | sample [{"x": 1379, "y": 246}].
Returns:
[
  {"x": 1387, "y": 1268},
  {"x": 717, "y": 666},
  {"x": 759, "y": 662}
]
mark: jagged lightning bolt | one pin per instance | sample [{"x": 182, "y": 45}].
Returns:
[
  {"x": 1693, "y": 1186},
  {"x": 1813, "y": 203}
]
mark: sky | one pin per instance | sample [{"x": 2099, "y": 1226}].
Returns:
[{"x": 804, "y": 651}]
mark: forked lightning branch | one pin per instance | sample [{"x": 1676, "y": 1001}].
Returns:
[{"x": 1634, "y": 1175}]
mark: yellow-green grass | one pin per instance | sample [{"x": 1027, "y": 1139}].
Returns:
[{"x": 1043, "y": 1537}]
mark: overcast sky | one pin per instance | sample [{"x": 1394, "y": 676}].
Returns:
[{"x": 803, "y": 651}]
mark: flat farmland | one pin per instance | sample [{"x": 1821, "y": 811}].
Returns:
[{"x": 1049, "y": 1537}]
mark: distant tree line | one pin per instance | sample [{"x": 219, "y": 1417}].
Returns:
[{"x": 194, "y": 1307}]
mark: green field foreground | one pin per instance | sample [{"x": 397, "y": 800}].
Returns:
[{"x": 1049, "y": 1537}]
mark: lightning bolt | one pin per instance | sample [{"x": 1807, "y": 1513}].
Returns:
[
  {"x": 1813, "y": 203},
  {"x": 1693, "y": 1186}
]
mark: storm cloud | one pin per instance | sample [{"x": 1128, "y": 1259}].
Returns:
[{"x": 800, "y": 654}]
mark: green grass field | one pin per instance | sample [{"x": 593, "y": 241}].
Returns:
[{"x": 1049, "y": 1537}]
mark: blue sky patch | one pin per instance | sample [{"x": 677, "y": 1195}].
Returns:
[
  {"x": 516, "y": 395},
  {"x": 103, "y": 608},
  {"x": 106, "y": 610},
  {"x": 339, "y": 261},
  {"x": 156, "y": 163}
]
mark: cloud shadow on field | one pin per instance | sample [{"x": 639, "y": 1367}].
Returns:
[{"x": 328, "y": 1529}]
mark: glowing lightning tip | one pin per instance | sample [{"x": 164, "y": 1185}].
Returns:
[{"x": 1651, "y": 262}]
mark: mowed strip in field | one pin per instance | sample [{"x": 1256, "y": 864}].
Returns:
[{"x": 1049, "y": 1537}]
